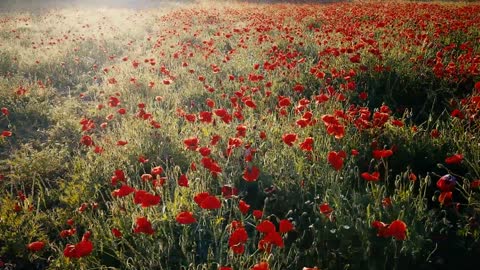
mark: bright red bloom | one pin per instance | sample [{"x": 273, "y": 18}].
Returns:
[
  {"x": 124, "y": 190},
  {"x": 381, "y": 228},
  {"x": 145, "y": 198},
  {"x": 191, "y": 143},
  {"x": 119, "y": 176},
  {"x": 211, "y": 202},
  {"x": 183, "y": 181},
  {"x": 435, "y": 133},
  {"x": 371, "y": 177},
  {"x": 204, "y": 151},
  {"x": 81, "y": 249},
  {"x": 285, "y": 226},
  {"x": 274, "y": 238},
  {"x": 336, "y": 159},
  {"x": 266, "y": 226},
  {"x": 325, "y": 209},
  {"x": 384, "y": 153},
  {"x": 122, "y": 143},
  {"x": 86, "y": 140},
  {"x": 457, "y": 114},
  {"x": 446, "y": 183},
  {"x": 156, "y": 170},
  {"x": 289, "y": 138},
  {"x": 146, "y": 177},
  {"x": 445, "y": 197},
  {"x": 211, "y": 165},
  {"x": 185, "y": 218},
  {"x": 143, "y": 226},
  {"x": 5, "y": 111},
  {"x": 261, "y": 266},
  {"x": 455, "y": 159},
  {"x": 475, "y": 183},
  {"x": 251, "y": 175},
  {"x": 6, "y": 133},
  {"x": 243, "y": 206},
  {"x": 307, "y": 144},
  {"x": 116, "y": 232},
  {"x": 200, "y": 197},
  {"x": 398, "y": 230},
  {"x": 229, "y": 191},
  {"x": 205, "y": 117},
  {"x": 36, "y": 246},
  {"x": 237, "y": 240},
  {"x": 257, "y": 214}
]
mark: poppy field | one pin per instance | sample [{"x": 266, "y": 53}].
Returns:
[{"x": 241, "y": 136}]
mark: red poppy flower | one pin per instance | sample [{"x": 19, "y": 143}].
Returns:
[
  {"x": 211, "y": 165},
  {"x": 124, "y": 190},
  {"x": 289, "y": 138},
  {"x": 86, "y": 140},
  {"x": 81, "y": 249},
  {"x": 116, "y": 232},
  {"x": 382, "y": 228},
  {"x": 122, "y": 143},
  {"x": 457, "y": 114},
  {"x": 445, "y": 198},
  {"x": 336, "y": 159},
  {"x": 266, "y": 226},
  {"x": 284, "y": 101},
  {"x": 6, "y": 133},
  {"x": 225, "y": 268},
  {"x": 307, "y": 144},
  {"x": 156, "y": 170},
  {"x": 5, "y": 111},
  {"x": 229, "y": 191},
  {"x": 190, "y": 117},
  {"x": 210, "y": 203},
  {"x": 237, "y": 240},
  {"x": 251, "y": 175},
  {"x": 143, "y": 226},
  {"x": 261, "y": 266},
  {"x": 475, "y": 183},
  {"x": 183, "y": 181},
  {"x": 274, "y": 238},
  {"x": 257, "y": 214},
  {"x": 185, "y": 218},
  {"x": 215, "y": 139},
  {"x": 435, "y": 133},
  {"x": 325, "y": 209},
  {"x": 146, "y": 199},
  {"x": 285, "y": 226},
  {"x": 204, "y": 151},
  {"x": 298, "y": 88},
  {"x": 243, "y": 206},
  {"x": 371, "y": 177},
  {"x": 384, "y": 153},
  {"x": 200, "y": 197},
  {"x": 446, "y": 183},
  {"x": 191, "y": 143},
  {"x": 398, "y": 230},
  {"x": 455, "y": 159},
  {"x": 36, "y": 246},
  {"x": 205, "y": 117}
]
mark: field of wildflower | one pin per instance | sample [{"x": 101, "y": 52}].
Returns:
[{"x": 253, "y": 136}]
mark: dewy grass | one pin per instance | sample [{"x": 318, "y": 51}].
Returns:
[{"x": 239, "y": 135}]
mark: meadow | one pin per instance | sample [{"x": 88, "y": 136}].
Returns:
[{"x": 241, "y": 136}]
